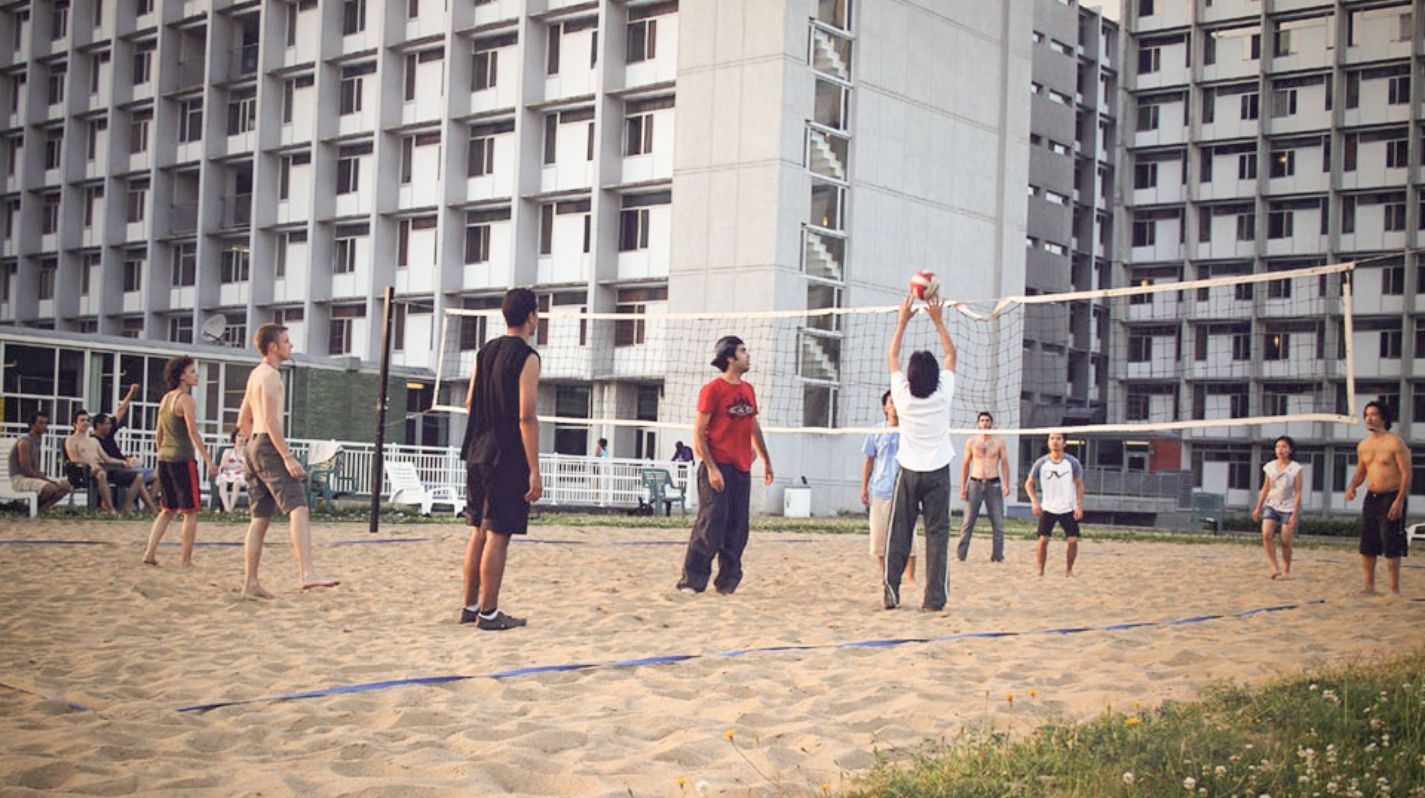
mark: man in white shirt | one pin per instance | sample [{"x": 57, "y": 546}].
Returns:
[
  {"x": 1062, "y": 479},
  {"x": 921, "y": 395}
]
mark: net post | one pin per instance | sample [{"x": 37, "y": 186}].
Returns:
[
  {"x": 1349, "y": 328},
  {"x": 388, "y": 297}
]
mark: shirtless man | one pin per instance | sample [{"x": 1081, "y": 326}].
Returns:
[
  {"x": 984, "y": 476},
  {"x": 84, "y": 452},
  {"x": 274, "y": 477},
  {"x": 1383, "y": 463}
]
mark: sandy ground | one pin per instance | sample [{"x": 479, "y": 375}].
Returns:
[{"x": 88, "y": 625}]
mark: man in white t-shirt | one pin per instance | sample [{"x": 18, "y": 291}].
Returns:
[
  {"x": 1062, "y": 480},
  {"x": 921, "y": 395}
]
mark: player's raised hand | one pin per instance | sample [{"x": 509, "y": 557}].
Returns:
[
  {"x": 906, "y": 310},
  {"x": 935, "y": 307}
]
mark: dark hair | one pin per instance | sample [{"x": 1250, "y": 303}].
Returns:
[
  {"x": 724, "y": 350},
  {"x": 265, "y": 336},
  {"x": 923, "y": 374},
  {"x": 604, "y": 442},
  {"x": 884, "y": 397},
  {"x": 1291, "y": 444},
  {"x": 985, "y": 414},
  {"x": 173, "y": 370},
  {"x": 75, "y": 417},
  {"x": 233, "y": 437},
  {"x": 1381, "y": 408},
  {"x": 517, "y": 306},
  {"x": 36, "y": 416},
  {"x": 101, "y": 418}
]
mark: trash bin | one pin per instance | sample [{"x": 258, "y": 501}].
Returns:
[{"x": 796, "y": 502}]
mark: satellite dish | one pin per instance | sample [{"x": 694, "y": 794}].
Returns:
[{"x": 214, "y": 327}]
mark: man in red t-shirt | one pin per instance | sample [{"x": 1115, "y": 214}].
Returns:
[{"x": 724, "y": 436}]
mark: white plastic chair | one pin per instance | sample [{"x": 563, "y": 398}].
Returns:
[
  {"x": 406, "y": 488},
  {"x": 7, "y": 491}
]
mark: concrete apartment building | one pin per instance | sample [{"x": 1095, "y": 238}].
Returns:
[
  {"x": 1263, "y": 135},
  {"x": 1070, "y": 226},
  {"x": 167, "y": 162}
]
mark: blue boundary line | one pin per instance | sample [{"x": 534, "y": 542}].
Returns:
[{"x": 664, "y": 659}]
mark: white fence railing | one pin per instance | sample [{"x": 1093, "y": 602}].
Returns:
[{"x": 569, "y": 480}]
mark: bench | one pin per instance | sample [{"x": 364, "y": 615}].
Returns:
[
  {"x": 406, "y": 488},
  {"x": 1208, "y": 510},
  {"x": 662, "y": 489},
  {"x": 7, "y": 491}
]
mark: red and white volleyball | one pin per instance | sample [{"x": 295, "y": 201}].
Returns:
[{"x": 924, "y": 285}]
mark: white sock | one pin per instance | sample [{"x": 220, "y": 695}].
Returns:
[{"x": 473, "y": 607}]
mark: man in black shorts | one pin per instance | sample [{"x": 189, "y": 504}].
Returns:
[
  {"x": 1383, "y": 463},
  {"x": 1061, "y": 479},
  {"x": 501, "y": 453}
]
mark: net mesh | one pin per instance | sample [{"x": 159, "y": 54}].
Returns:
[{"x": 1186, "y": 354}]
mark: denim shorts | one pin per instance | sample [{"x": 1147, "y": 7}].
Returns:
[{"x": 1273, "y": 514}]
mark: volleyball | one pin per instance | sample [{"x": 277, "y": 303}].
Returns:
[{"x": 924, "y": 285}]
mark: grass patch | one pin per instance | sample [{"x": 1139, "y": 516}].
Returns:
[{"x": 1356, "y": 730}]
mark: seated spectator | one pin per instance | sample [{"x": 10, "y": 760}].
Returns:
[
  {"x": 232, "y": 472},
  {"x": 681, "y": 453},
  {"x": 106, "y": 428},
  {"x": 25, "y": 471},
  {"x": 87, "y": 459}
]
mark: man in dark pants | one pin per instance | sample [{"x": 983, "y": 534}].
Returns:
[
  {"x": 922, "y": 395},
  {"x": 501, "y": 453},
  {"x": 724, "y": 435}
]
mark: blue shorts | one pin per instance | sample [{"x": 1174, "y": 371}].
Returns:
[{"x": 1273, "y": 514}]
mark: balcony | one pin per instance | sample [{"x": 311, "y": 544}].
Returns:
[
  {"x": 243, "y": 62},
  {"x": 236, "y": 211},
  {"x": 182, "y": 218}
]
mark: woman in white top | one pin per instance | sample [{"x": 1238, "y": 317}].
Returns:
[
  {"x": 232, "y": 472},
  {"x": 1279, "y": 503}
]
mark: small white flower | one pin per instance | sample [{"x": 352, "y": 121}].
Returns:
[
  {"x": 1128, "y": 777},
  {"x": 702, "y": 785},
  {"x": 1313, "y": 687},
  {"x": 1221, "y": 770},
  {"x": 1189, "y": 783}
]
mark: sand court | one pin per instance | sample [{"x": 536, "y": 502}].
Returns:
[{"x": 819, "y": 691}]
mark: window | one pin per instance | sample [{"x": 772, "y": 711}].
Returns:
[
  {"x": 1348, "y": 215},
  {"x": 46, "y": 279},
  {"x": 477, "y": 243},
  {"x": 1350, "y": 143},
  {"x": 1283, "y": 163},
  {"x": 1246, "y": 226},
  {"x": 1394, "y": 217},
  {"x": 546, "y": 228},
  {"x": 1398, "y": 90},
  {"x": 54, "y": 147},
  {"x": 242, "y": 112},
  {"x": 234, "y": 265},
  {"x": 1279, "y": 225},
  {"x": 143, "y": 62},
  {"x": 642, "y": 39},
  {"x": 138, "y": 197},
  {"x": 1250, "y": 107},
  {"x": 353, "y": 17},
  {"x": 284, "y": 244},
  {"x": 481, "y": 157},
  {"x": 551, "y": 66},
  {"x": 1396, "y": 154},
  {"x": 1145, "y": 233},
  {"x": 1147, "y": 117},
  {"x": 1390, "y": 343},
  {"x": 292, "y": 12},
  {"x": 56, "y": 84},
  {"x": 1247, "y": 166},
  {"x": 344, "y": 256},
  {"x": 180, "y": 329},
  {"x": 96, "y": 70},
  {"x": 411, "y": 66},
  {"x": 413, "y": 9},
  {"x": 829, "y": 108},
  {"x": 339, "y": 331},
  {"x": 1392, "y": 281},
  {"x": 351, "y": 86},
  {"x": 1276, "y": 346},
  {"x": 1242, "y": 341},
  {"x": 142, "y": 7},
  {"x": 1283, "y": 44},
  {"x": 486, "y": 67},
  {"x": 49, "y": 214},
  {"x": 185, "y": 265},
  {"x": 92, "y": 196},
  {"x": 408, "y": 159},
  {"x": 348, "y": 167},
  {"x": 138, "y": 130},
  {"x": 1149, "y": 60},
  {"x": 190, "y": 120},
  {"x": 1209, "y": 105},
  {"x": 551, "y": 138},
  {"x": 1254, "y": 47},
  {"x": 1283, "y": 103},
  {"x": 633, "y": 229},
  {"x": 639, "y": 138},
  {"x": 59, "y": 21},
  {"x": 133, "y": 273},
  {"x": 1140, "y": 348},
  {"x": 1204, "y": 168},
  {"x": 827, "y": 201}
]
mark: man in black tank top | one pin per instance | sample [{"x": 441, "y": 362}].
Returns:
[{"x": 501, "y": 453}]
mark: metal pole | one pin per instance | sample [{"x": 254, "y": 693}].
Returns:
[{"x": 387, "y": 300}]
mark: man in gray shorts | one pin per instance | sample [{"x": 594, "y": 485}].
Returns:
[{"x": 274, "y": 477}]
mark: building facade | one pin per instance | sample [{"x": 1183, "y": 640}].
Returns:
[
  {"x": 1261, "y": 136},
  {"x": 181, "y": 171}
]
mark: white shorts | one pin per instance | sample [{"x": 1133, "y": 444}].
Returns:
[
  {"x": 881, "y": 525},
  {"x": 28, "y": 484}
]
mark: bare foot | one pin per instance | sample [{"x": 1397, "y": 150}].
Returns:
[
  {"x": 1368, "y": 591},
  {"x": 255, "y": 591},
  {"x": 1069, "y": 574},
  {"x": 187, "y": 563},
  {"x": 1275, "y": 575},
  {"x": 150, "y": 561},
  {"x": 313, "y": 583}
]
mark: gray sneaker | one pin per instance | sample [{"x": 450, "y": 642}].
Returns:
[{"x": 500, "y": 622}]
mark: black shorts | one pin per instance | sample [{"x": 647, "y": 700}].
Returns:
[
  {"x": 121, "y": 476},
  {"x": 494, "y": 496},
  {"x": 1382, "y": 535},
  {"x": 180, "y": 485},
  {"x": 1047, "y": 520}
]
